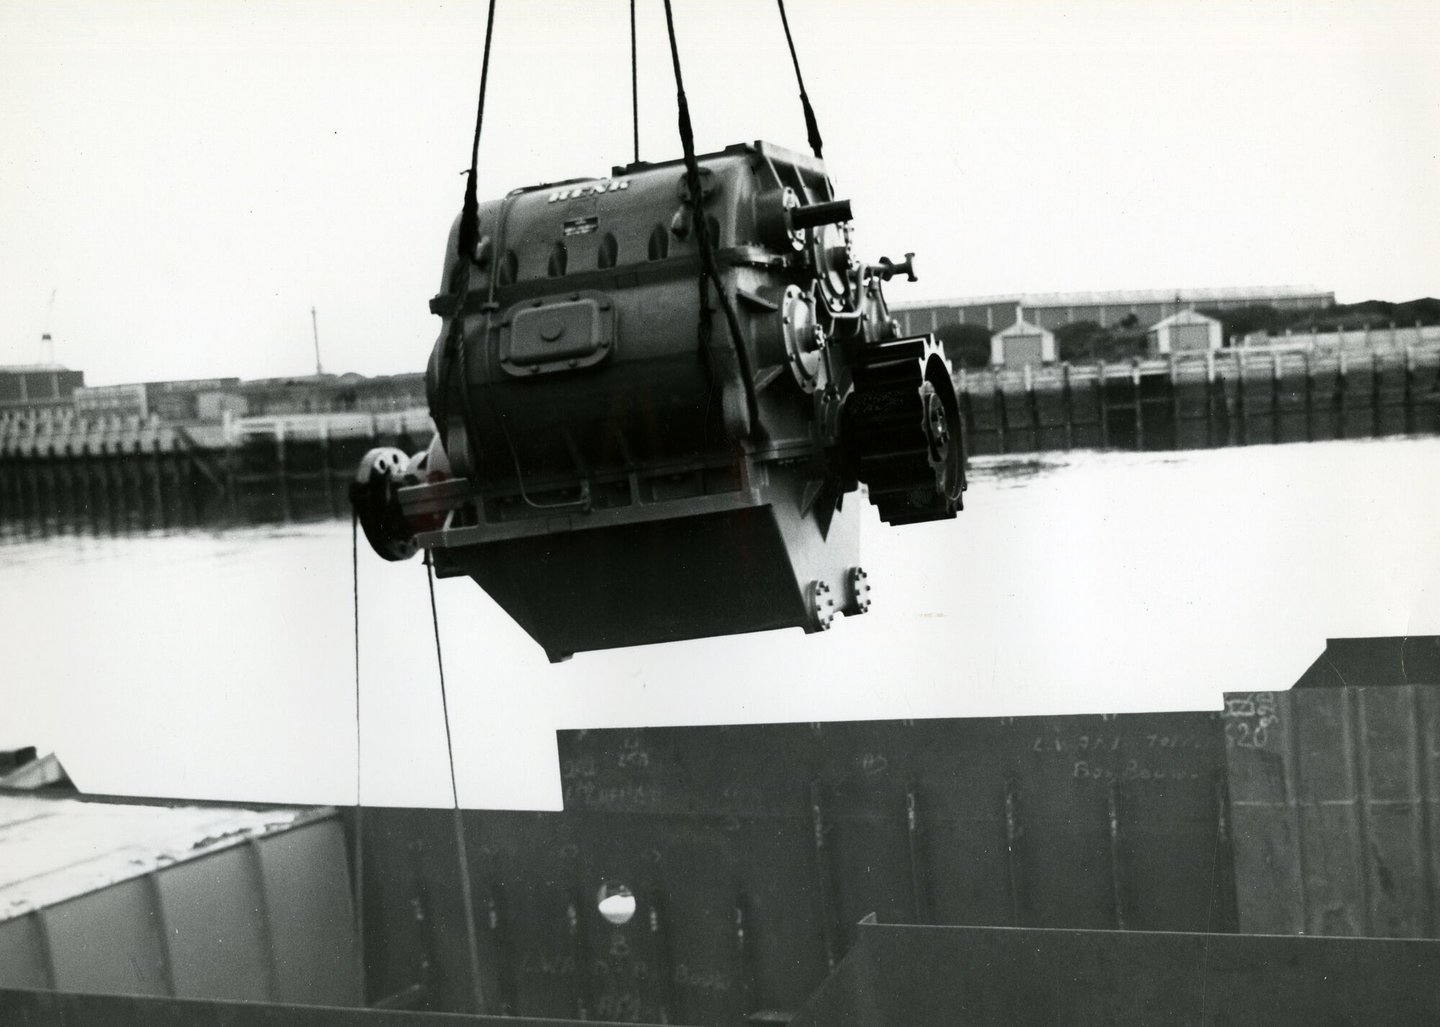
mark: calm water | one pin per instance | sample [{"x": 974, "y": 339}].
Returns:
[{"x": 220, "y": 665}]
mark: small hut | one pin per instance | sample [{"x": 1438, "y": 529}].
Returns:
[
  {"x": 1185, "y": 332},
  {"x": 1022, "y": 344}
]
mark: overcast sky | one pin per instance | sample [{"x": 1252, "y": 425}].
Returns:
[{"x": 188, "y": 179}]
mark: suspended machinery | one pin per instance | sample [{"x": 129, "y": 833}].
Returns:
[{"x": 652, "y": 394}]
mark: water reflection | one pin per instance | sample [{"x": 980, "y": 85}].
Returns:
[{"x": 219, "y": 661}]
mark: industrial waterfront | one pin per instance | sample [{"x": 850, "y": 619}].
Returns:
[{"x": 699, "y": 623}]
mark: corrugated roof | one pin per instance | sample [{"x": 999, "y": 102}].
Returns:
[{"x": 1123, "y": 297}]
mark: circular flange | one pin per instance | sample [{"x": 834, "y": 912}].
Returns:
[
  {"x": 822, "y": 606},
  {"x": 804, "y": 339},
  {"x": 834, "y": 263},
  {"x": 859, "y": 585}
]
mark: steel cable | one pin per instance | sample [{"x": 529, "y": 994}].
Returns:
[
  {"x": 634, "y": 82},
  {"x": 359, "y": 809},
  {"x": 466, "y": 896},
  {"x": 709, "y": 274},
  {"x": 812, "y": 127}
]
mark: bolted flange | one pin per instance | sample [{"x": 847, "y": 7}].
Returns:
[
  {"x": 859, "y": 586},
  {"x": 822, "y": 605}
]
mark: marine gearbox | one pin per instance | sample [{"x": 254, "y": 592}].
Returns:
[{"x": 626, "y": 453}]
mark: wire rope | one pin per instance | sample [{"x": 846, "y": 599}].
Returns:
[
  {"x": 812, "y": 127},
  {"x": 709, "y": 274},
  {"x": 359, "y": 808},
  {"x": 634, "y": 82},
  {"x": 466, "y": 896}
]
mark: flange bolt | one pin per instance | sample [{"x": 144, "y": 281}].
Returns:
[
  {"x": 822, "y": 605},
  {"x": 859, "y": 590}
]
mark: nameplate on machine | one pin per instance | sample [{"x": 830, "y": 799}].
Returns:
[{"x": 589, "y": 189}]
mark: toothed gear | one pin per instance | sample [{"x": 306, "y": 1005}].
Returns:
[{"x": 902, "y": 427}]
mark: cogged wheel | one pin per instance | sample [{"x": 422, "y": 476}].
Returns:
[{"x": 902, "y": 431}]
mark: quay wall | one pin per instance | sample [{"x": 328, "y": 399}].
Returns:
[
  {"x": 1237, "y": 397},
  {"x": 119, "y": 475},
  {"x": 61, "y": 471}
]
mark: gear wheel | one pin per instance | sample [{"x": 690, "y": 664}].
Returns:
[{"x": 902, "y": 432}]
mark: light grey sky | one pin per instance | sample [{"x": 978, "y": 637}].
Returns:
[{"x": 189, "y": 178}]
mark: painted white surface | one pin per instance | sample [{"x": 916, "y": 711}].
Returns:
[{"x": 57, "y": 849}]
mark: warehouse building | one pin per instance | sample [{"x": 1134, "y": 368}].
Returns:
[
  {"x": 1054, "y": 310},
  {"x": 37, "y": 386}
]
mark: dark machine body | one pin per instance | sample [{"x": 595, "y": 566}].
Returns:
[{"x": 615, "y": 463}]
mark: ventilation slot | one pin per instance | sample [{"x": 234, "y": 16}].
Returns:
[
  {"x": 558, "y": 260},
  {"x": 509, "y": 268},
  {"x": 609, "y": 248}
]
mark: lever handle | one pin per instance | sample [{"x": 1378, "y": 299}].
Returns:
[{"x": 888, "y": 269}]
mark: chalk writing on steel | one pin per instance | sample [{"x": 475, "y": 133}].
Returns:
[
  {"x": 547, "y": 965},
  {"x": 1079, "y": 743},
  {"x": 1133, "y": 770},
  {"x": 582, "y": 766},
  {"x": 1249, "y": 719},
  {"x": 636, "y": 968},
  {"x": 619, "y": 1006},
  {"x": 632, "y": 752},
  {"x": 592, "y": 794},
  {"x": 1108, "y": 743},
  {"x": 1176, "y": 741},
  {"x": 701, "y": 980},
  {"x": 873, "y": 763}
]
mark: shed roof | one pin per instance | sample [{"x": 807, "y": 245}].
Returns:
[
  {"x": 1125, "y": 297},
  {"x": 1021, "y": 327},
  {"x": 1184, "y": 317}
]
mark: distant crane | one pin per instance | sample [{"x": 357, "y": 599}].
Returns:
[{"x": 315, "y": 331}]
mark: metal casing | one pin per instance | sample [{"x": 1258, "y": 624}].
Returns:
[
  {"x": 624, "y": 477},
  {"x": 580, "y": 325}
]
